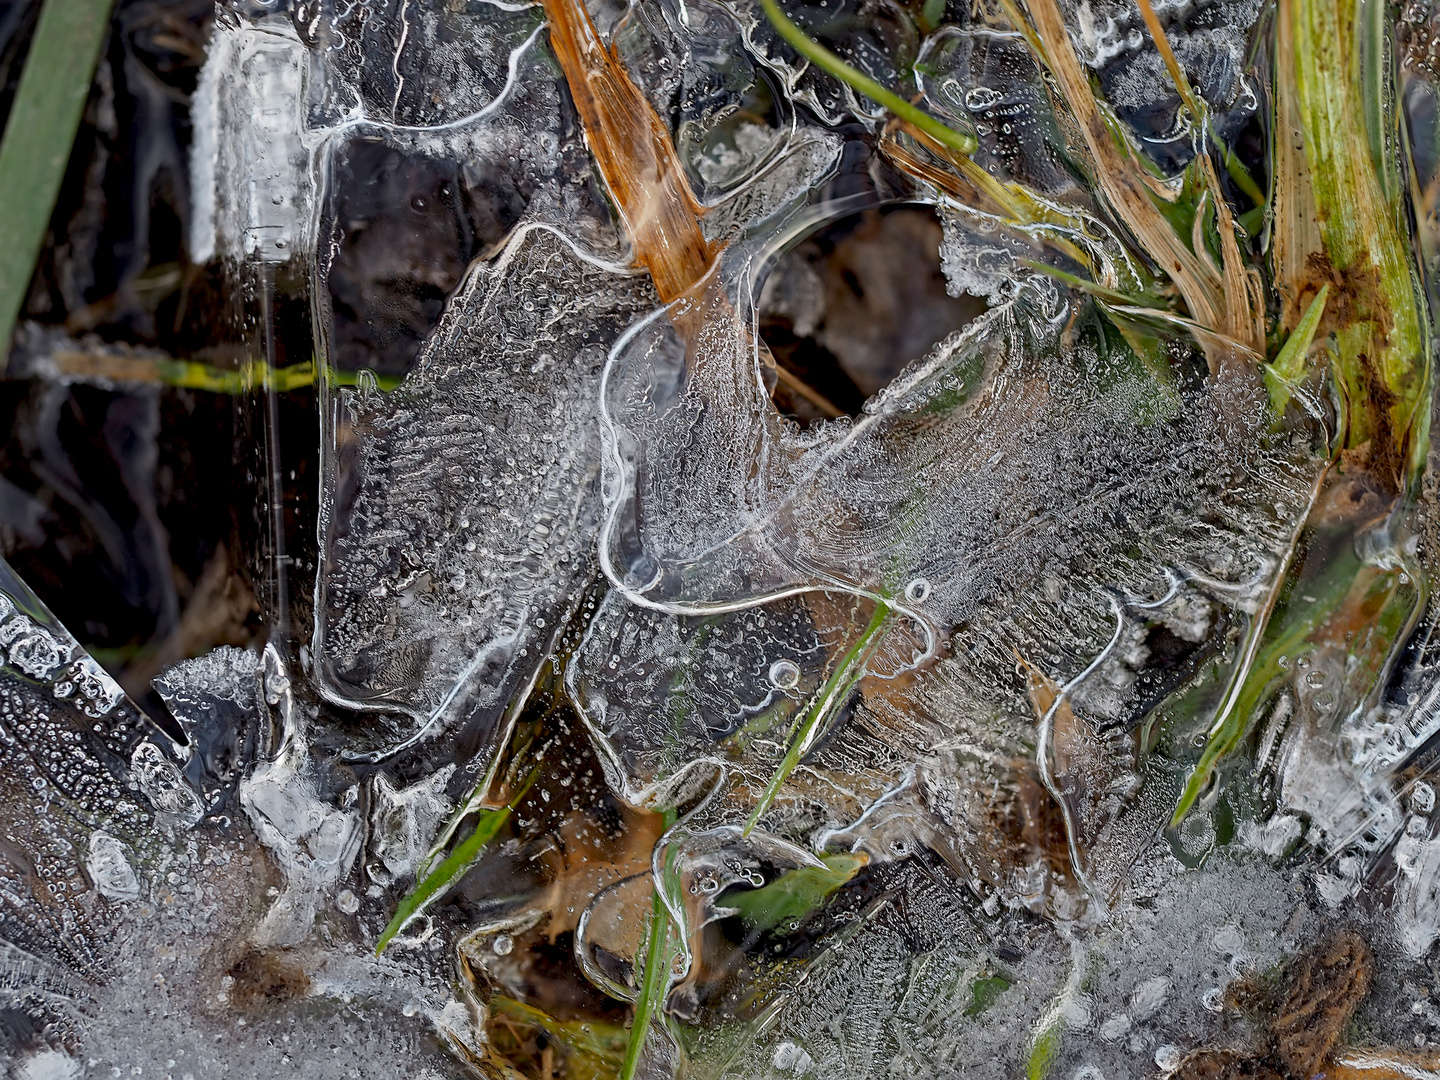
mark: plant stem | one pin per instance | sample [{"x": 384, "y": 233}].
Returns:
[
  {"x": 647, "y": 1005},
  {"x": 653, "y": 979},
  {"x": 452, "y": 866},
  {"x": 837, "y": 688},
  {"x": 957, "y": 141},
  {"x": 39, "y": 136}
]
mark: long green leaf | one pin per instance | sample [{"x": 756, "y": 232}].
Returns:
[
  {"x": 654, "y": 978},
  {"x": 652, "y": 985},
  {"x": 43, "y": 120},
  {"x": 795, "y": 893}
]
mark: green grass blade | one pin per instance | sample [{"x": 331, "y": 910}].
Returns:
[
  {"x": 1238, "y": 173},
  {"x": 842, "y": 680},
  {"x": 465, "y": 855},
  {"x": 439, "y": 879},
  {"x": 826, "y": 60},
  {"x": 1100, "y": 292},
  {"x": 652, "y": 985},
  {"x": 81, "y": 366},
  {"x": 1257, "y": 672},
  {"x": 36, "y": 148},
  {"x": 654, "y": 978}
]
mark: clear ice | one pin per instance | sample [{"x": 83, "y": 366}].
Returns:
[{"x": 641, "y": 721}]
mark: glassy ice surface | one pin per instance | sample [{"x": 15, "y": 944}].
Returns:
[{"x": 648, "y": 705}]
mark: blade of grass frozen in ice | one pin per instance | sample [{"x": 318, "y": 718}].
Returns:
[
  {"x": 958, "y": 141},
  {"x": 832, "y": 695},
  {"x": 653, "y": 979},
  {"x": 465, "y": 854},
  {"x": 1252, "y": 675},
  {"x": 1050, "y": 1028},
  {"x": 794, "y": 893},
  {"x": 1100, "y": 292},
  {"x": 38, "y": 138},
  {"x": 1360, "y": 610},
  {"x": 648, "y": 1004},
  {"x": 249, "y": 375}
]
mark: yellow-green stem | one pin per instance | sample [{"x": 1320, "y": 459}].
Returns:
[{"x": 958, "y": 141}]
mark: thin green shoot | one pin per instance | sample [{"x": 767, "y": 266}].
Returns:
[
  {"x": 1100, "y": 292},
  {"x": 956, "y": 141},
  {"x": 653, "y": 979},
  {"x": 465, "y": 855},
  {"x": 836, "y": 689},
  {"x": 193, "y": 375},
  {"x": 1289, "y": 363},
  {"x": 39, "y": 136}
]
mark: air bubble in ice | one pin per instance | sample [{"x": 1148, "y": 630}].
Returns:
[
  {"x": 1115, "y": 1028},
  {"x": 784, "y": 674},
  {"x": 980, "y": 98},
  {"x": 163, "y": 784},
  {"x": 918, "y": 591},
  {"x": 30, "y": 647}
]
